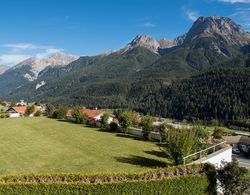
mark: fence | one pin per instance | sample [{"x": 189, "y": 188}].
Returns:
[{"x": 203, "y": 153}]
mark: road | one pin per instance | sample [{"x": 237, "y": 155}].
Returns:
[{"x": 243, "y": 161}]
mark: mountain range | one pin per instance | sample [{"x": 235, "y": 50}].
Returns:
[{"x": 109, "y": 79}]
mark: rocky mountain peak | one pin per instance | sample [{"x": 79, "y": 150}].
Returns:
[
  {"x": 215, "y": 26},
  {"x": 36, "y": 64},
  {"x": 145, "y": 41}
]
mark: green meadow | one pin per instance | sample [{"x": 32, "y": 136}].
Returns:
[{"x": 42, "y": 145}]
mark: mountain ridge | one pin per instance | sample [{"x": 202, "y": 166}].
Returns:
[{"x": 107, "y": 78}]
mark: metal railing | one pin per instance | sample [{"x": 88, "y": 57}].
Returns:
[{"x": 203, "y": 153}]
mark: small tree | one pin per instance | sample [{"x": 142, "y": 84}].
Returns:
[
  {"x": 61, "y": 112},
  {"x": 79, "y": 116},
  {"x": 104, "y": 120},
  {"x": 147, "y": 126},
  {"x": 182, "y": 142},
  {"x": 218, "y": 133},
  {"x": 136, "y": 118},
  {"x": 162, "y": 129},
  {"x": 232, "y": 178},
  {"x": 125, "y": 120},
  {"x": 50, "y": 109},
  {"x": 30, "y": 110}
]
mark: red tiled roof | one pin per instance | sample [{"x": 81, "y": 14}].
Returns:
[
  {"x": 91, "y": 113},
  {"x": 22, "y": 109}
]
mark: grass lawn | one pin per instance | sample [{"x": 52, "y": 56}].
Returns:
[
  {"x": 42, "y": 145},
  {"x": 225, "y": 129}
]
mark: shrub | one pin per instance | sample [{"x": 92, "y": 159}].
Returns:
[
  {"x": 38, "y": 113},
  {"x": 2, "y": 116},
  {"x": 50, "y": 109},
  {"x": 79, "y": 116},
  {"x": 218, "y": 133},
  {"x": 113, "y": 126},
  {"x": 104, "y": 120},
  {"x": 125, "y": 120},
  {"x": 61, "y": 112},
  {"x": 147, "y": 126},
  {"x": 30, "y": 110},
  {"x": 91, "y": 123}
]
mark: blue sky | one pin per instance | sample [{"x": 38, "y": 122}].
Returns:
[{"x": 90, "y": 27}]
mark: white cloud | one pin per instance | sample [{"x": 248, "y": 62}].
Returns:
[
  {"x": 18, "y": 52},
  {"x": 10, "y": 59},
  {"x": 242, "y": 16},
  {"x": 149, "y": 24},
  {"x": 235, "y": 1},
  {"x": 192, "y": 15}
]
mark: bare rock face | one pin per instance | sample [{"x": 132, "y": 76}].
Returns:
[
  {"x": 145, "y": 41},
  {"x": 165, "y": 43},
  {"x": 3, "y": 68},
  {"x": 36, "y": 65},
  {"x": 220, "y": 27}
]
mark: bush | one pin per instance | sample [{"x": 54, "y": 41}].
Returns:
[
  {"x": 104, "y": 120},
  {"x": 218, "y": 133},
  {"x": 2, "y": 116},
  {"x": 30, "y": 110},
  {"x": 38, "y": 113},
  {"x": 60, "y": 113},
  {"x": 113, "y": 126},
  {"x": 79, "y": 116},
  {"x": 147, "y": 126},
  {"x": 50, "y": 109},
  {"x": 91, "y": 123}
]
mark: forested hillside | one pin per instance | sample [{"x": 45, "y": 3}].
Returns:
[{"x": 222, "y": 94}]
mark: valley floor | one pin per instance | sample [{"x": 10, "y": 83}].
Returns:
[{"x": 42, "y": 145}]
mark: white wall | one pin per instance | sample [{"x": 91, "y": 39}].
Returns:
[
  {"x": 217, "y": 158},
  {"x": 14, "y": 115}
]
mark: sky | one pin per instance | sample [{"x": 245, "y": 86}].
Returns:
[{"x": 90, "y": 27}]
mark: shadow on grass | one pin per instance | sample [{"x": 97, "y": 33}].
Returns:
[
  {"x": 129, "y": 136},
  {"x": 106, "y": 131},
  {"x": 142, "y": 161},
  {"x": 157, "y": 153}
]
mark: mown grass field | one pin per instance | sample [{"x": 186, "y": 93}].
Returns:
[{"x": 42, "y": 145}]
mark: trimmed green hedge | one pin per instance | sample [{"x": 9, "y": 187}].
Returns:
[
  {"x": 186, "y": 185},
  {"x": 155, "y": 174},
  {"x": 181, "y": 180}
]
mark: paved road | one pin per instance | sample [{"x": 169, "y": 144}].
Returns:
[{"x": 243, "y": 161}]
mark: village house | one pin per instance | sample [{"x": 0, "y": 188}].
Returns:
[
  {"x": 21, "y": 103},
  {"x": 19, "y": 111},
  {"x": 93, "y": 114}
]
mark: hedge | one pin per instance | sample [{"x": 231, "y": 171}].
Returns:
[
  {"x": 199, "y": 181},
  {"x": 191, "y": 185}
]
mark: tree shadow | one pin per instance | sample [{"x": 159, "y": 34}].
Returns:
[
  {"x": 129, "y": 136},
  {"x": 160, "y": 154},
  {"x": 142, "y": 161}
]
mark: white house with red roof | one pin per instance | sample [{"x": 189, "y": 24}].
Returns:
[
  {"x": 19, "y": 111},
  {"x": 93, "y": 114}
]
